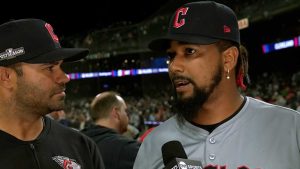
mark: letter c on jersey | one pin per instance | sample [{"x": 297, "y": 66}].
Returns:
[{"x": 178, "y": 23}]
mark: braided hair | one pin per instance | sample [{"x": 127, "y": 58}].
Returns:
[{"x": 241, "y": 69}]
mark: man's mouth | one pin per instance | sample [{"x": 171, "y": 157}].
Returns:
[{"x": 180, "y": 82}]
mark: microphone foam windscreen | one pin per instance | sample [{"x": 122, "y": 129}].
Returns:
[{"x": 172, "y": 149}]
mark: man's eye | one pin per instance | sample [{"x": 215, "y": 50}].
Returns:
[
  {"x": 190, "y": 51},
  {"x": 50, "y": 68}
]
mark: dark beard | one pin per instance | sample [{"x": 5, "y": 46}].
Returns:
[{"x": 188, "y": 108}]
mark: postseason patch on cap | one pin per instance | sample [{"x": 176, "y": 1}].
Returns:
[{"x": 11, "y": 53}]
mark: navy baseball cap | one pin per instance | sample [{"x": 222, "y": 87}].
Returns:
[
  {"x": 203, "y": 22},
  {"x": 33, "y": 41}
]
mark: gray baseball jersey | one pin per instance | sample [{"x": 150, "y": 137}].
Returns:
[{"x": 260, "y": 136}]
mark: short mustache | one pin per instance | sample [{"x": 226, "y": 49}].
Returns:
[
  {"x": 59, "y": 89},
  {"x": 180, "y": 77}
]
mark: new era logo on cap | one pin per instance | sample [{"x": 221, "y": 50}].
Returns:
[
  {"x": 33, "y": 41},
  {"x": 203, "y": 22},
  {"x": 227, "y": 29}
]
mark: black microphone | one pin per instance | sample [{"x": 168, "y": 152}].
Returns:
[{"x": 174, "y": 157}]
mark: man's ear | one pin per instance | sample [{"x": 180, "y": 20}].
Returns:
[
  {"x": 230, "y": 57},
  {"x": 6, "y": 77},
  {"x": 115, "y": 113}
]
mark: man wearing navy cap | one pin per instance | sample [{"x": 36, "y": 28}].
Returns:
[
  {"x": 215, "y": 123},
  {"x": 32, "y": 84}
]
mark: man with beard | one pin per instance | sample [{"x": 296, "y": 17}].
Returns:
[
  {"x": 216, "y": 124},
  {"x": 32, "y": 85}
]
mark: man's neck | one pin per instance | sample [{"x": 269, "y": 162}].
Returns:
[
  {"x": 24, "y": 129},
  {"x": 218, "y": 108}
]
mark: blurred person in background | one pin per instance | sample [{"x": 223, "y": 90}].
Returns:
[
  {"x": 108, "y": 111},
  {"x": 132, "y": 132},
  {"x": 60, "y": 117}
]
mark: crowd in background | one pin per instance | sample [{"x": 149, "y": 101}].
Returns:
[
  {"x": 124, "y": 46},
  {"x": 154, "y": 106}
]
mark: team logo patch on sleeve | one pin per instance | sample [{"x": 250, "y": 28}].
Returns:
[{"x": 66, "y": 163}]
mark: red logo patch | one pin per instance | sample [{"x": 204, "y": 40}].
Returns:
[
  {"x": 178, "y": 23},
  {"x": 227, "y": 29},
  {"x": 66, "y": 163},
  {"x": 51, "y": 32}
]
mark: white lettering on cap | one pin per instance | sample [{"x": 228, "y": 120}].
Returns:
[{"x": 11, "y": 53}]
